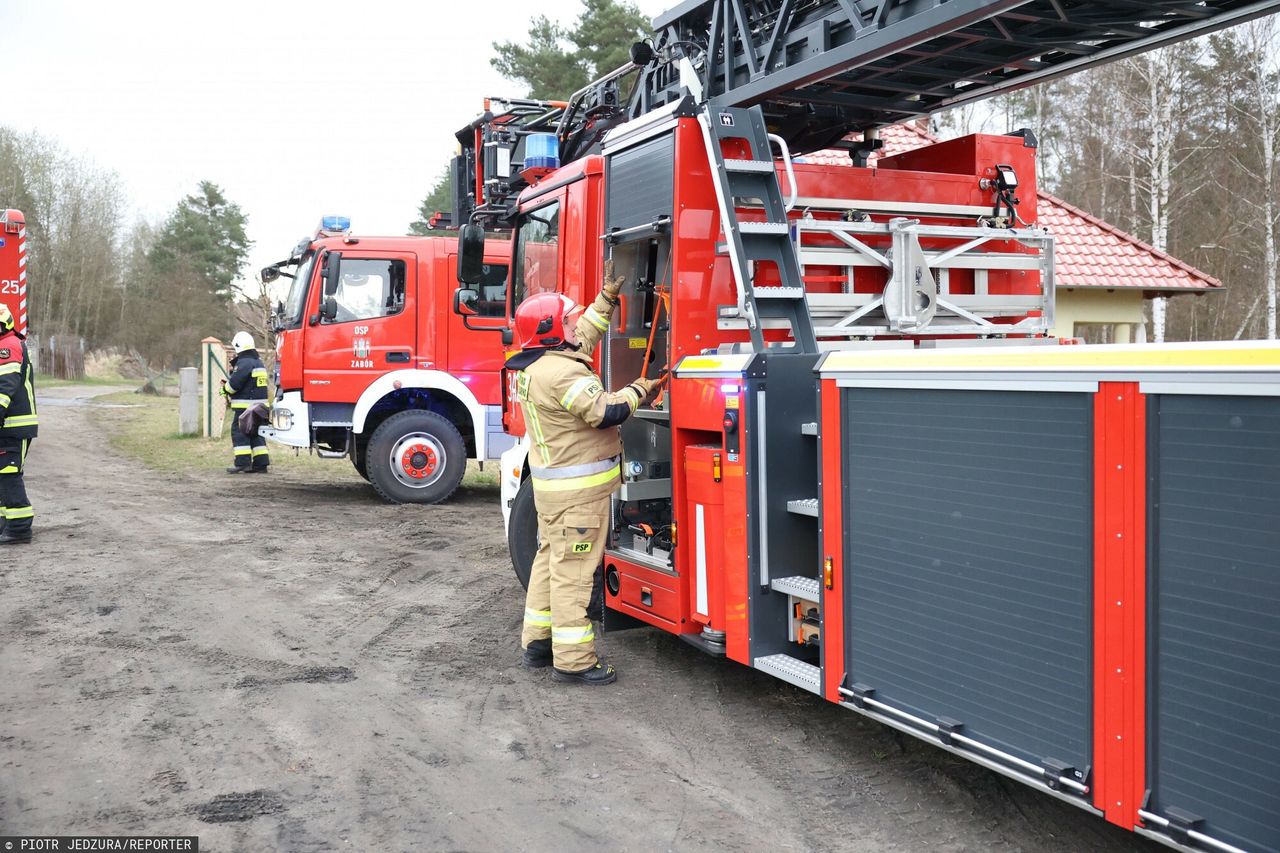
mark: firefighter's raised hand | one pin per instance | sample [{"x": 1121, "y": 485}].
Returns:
[{"x": 612, "y": 283}]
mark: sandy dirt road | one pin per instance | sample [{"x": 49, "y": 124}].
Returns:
[{"x": 275, "y": 665}]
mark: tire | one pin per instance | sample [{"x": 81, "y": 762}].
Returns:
[
  {"x": 360, "y": 457},
  {"x": 522, "y": 532},
  {"x": 417, "y": 438}
]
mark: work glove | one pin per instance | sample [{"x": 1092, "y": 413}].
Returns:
[
  {"x": 650, "y": 386},
  {"x": 612, "y": 283}
]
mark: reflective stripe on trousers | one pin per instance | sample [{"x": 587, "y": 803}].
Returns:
[
  {"x": 573, "y": 531},
  {"x": 573, "y": 636},
  {"x": 15, "y": 506}
]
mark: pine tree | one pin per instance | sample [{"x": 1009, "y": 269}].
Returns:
[{"x": 439, "y": 200}]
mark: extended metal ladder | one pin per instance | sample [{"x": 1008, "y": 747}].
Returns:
[{"x": 753, "y": 180}]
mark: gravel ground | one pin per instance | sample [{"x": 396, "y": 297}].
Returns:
[{"x": 273, "y": 664}]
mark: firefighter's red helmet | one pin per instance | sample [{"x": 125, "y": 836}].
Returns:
[{"x": 540, "y": 320}]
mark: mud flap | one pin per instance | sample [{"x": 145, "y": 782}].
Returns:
[{"x": 606, "y": 618}]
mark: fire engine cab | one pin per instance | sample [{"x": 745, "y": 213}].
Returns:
[
  {"x": 13, "y": 266},
  {"x": 373, "y": 365}
]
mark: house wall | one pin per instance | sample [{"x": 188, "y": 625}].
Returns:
[{"x": 1121, "y": 308}]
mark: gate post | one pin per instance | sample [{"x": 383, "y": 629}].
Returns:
[{"x": 213, "y": 370}]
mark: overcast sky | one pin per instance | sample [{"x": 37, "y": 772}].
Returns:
[{"x": 294, "y": 109}]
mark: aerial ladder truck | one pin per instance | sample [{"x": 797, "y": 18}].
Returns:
[
  {"x": 874, "y": 474},
  {"x": 13, "y": 266}
]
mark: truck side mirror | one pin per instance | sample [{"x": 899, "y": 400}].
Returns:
[
  {"x": 332, "y": 263},
  {"x": 464, "y": 302},
  {"x": 329, "y": 309},
  {"x": 508, "y": 337},
  {"x": 270, "y": 274},
  {"x": 470, "y": 254}
]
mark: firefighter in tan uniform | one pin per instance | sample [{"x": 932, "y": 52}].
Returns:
[{"x": 575, "y": 464}]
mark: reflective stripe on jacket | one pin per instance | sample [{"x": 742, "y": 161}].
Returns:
[
  {"x": 248, "y": 381},
  {"x": 571, "y": 420},
  {"x": 17, "y": 389}
]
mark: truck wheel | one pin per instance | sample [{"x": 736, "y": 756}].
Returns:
[
  {"x": 416, "y": 457},
  {"x": 522, "y": 532},
  {"x": 360, "y": 458}
]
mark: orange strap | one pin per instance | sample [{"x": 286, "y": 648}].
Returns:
[{"x": 663, "y": 297}]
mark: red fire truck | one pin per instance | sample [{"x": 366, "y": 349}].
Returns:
[
  {"x": 874, "y": 474},
  {"x": 374, "y": 366},
  {"x": 13, "y": 265}
]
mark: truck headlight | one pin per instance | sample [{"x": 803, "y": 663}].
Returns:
[{"x": 282, "y": 419}]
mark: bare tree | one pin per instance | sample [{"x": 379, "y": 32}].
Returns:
[{"x": 1258, "y": 108}]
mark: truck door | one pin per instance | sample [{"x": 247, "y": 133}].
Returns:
[
  {"x": 476, "y": 352},
  {"x": 536, "y": 269},
  {"x": 372, "y": 329}
]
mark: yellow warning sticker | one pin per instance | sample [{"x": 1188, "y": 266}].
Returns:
[{"x": 637, "y": 343}]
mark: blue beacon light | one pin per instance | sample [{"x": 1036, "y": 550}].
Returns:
[{"x": 542, "y": 151}]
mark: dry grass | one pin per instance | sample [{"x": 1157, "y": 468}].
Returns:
[{"x": 145, "y": 428}]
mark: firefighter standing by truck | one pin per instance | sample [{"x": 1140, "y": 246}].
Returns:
[
  {"x": 246, "y": 386},
  {"x": 17, "y": 429},
  {"x": 574, "y": 463}
]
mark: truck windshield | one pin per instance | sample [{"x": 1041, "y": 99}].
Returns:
[
  {"x": 296, "y": 303},
  {"x": 537, "y": 253}
]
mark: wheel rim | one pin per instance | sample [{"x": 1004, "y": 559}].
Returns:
[{"x": 418, "y": 460}]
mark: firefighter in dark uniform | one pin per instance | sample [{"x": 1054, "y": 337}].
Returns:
[
  {"x": 574, "y": 463},
  {"x": 246, "y": 385},
  {"x": 17, "y": 429}
]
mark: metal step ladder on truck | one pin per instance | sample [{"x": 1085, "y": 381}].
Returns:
[
  {"x": 374, "y": 366},
  {"x": 873, "y": 474},
  {"x": 13, "y": 266}
]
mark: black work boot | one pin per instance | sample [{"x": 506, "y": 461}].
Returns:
[
  {"x": 237, "y": 470},
  {"x": 9, "y": 536},
  {"x": 537, "y": 654},
  {"x": 601, "y": 673}
]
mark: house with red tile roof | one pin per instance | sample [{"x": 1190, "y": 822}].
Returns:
[{"x": 1102, "y": 274}]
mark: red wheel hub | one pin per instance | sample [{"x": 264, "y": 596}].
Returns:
[{"x": 419, "y": 461}]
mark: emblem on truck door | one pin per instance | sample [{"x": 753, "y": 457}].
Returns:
[{"x": 360, "y": 348}]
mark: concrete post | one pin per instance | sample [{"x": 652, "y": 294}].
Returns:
[
  {"x": 188, "y": 401},
  {"x": 213, "y": 369}
]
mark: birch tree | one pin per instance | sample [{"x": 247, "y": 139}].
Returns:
[{"x": 1258, "y": 108}]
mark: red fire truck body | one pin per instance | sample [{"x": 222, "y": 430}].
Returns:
[
  {"x": 374, "y": 366},
  {"x": 874, "y": 474},
  {"x": 13, "y": 266}
]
